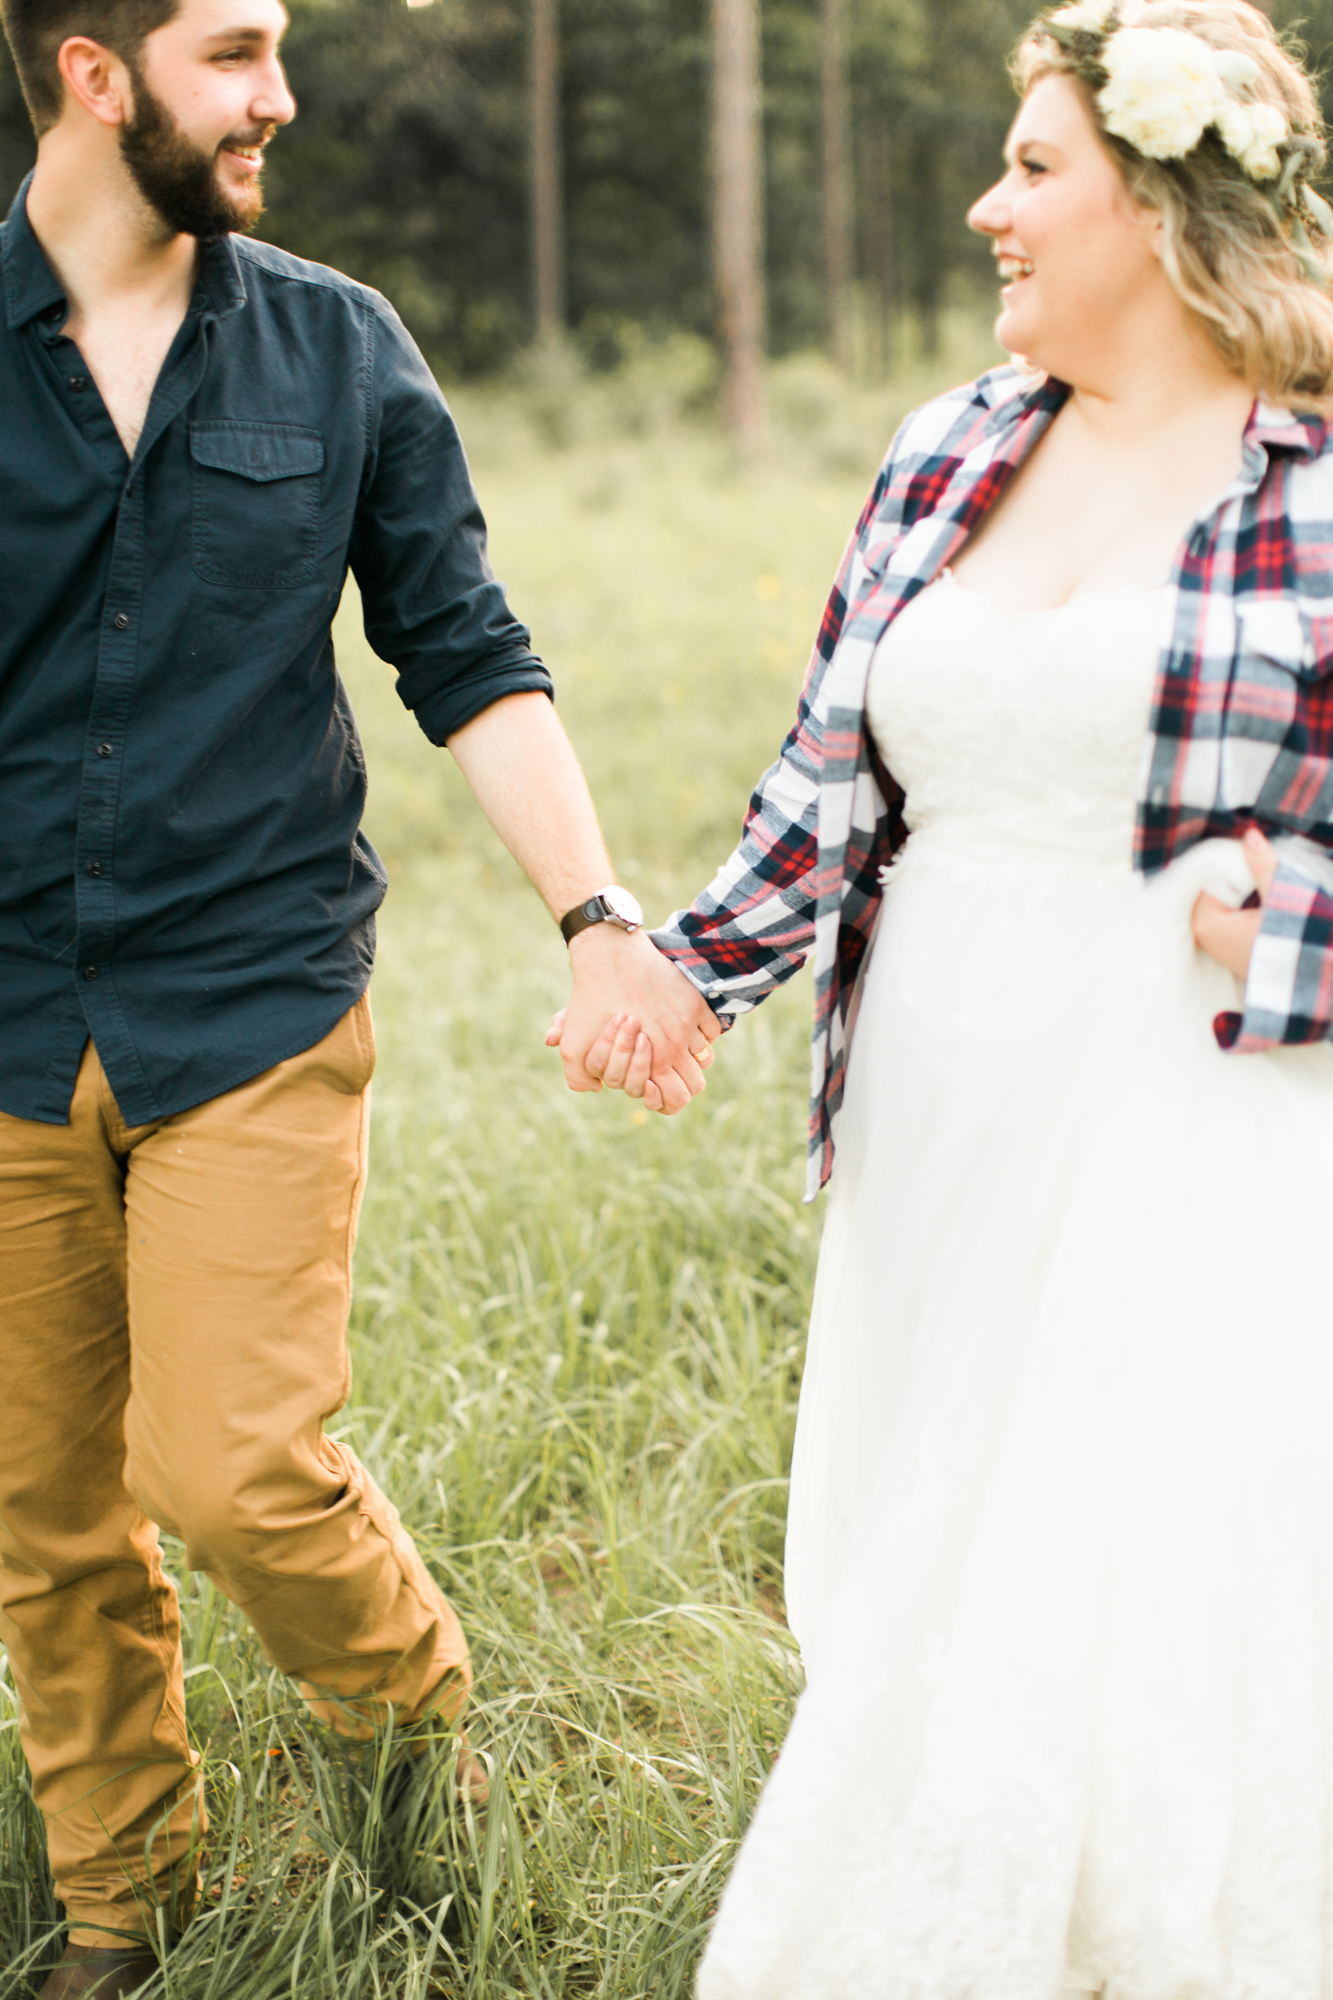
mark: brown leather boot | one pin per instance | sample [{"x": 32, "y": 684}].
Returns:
[{"x": 98, "y": 1972}]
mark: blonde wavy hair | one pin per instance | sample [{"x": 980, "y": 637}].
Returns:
[{"x": 1226, "y": 243}]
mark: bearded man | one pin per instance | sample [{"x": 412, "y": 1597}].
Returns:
[{"x": 201, "y": 434}]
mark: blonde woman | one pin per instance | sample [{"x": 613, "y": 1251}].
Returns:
[{"x": 1060, "y": 1553}]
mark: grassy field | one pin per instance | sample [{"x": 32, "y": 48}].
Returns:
[{"x": 578, "y": 1328}]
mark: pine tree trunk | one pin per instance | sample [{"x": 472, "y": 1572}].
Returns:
[
  {"x": 738, "y": 227},
  {"x": 927, "y": 209},
  {"x": 837, "y": 180},
  {"x": 877, "y": 194},
  {"x": 548, "y": 231}
]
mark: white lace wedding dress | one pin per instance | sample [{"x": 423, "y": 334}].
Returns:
[{"x": 1060, "y": 1550}]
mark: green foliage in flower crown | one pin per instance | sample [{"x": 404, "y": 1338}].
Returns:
[{"x": 1084, "y": 45}]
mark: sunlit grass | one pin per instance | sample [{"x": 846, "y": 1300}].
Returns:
[{"x": 578, "y": 1329}]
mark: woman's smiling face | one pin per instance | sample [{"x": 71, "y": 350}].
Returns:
[{"x": 1077, "y": 257}]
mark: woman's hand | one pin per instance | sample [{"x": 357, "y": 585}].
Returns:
[
  {"x": 1228, "y": 935},
  {"x": 634, "y": 1022},
  {"x": 621, "y": 1058}
]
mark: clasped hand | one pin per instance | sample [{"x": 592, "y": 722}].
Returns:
[
  {"x": 1228, "y": 935},
  {"x": 634, "y": 1022}
]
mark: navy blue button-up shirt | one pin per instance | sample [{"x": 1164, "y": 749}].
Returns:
[{"x": 182, "y": 872}]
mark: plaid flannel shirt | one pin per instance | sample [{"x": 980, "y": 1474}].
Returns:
[{"x": 1241, "y": 731}]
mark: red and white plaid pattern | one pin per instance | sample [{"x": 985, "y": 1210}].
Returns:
[{"x": 1241, "y": 732}]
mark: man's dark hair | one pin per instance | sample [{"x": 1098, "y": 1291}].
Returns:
[{"x": 36, "y": 28}]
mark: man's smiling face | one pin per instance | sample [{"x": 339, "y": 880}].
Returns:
[{"x": 209, "y": 93}]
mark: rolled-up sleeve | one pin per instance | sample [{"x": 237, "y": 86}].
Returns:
[
  {"x": 433, "y": 607},
  {"x": 1289, "y": 986}
]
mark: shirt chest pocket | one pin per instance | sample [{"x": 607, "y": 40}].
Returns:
[{"x": 255, "y": 492}]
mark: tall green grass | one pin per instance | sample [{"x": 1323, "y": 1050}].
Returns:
[{"x": 578, "y": 1329}]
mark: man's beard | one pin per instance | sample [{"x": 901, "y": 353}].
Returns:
[{"x": 179, "y": 181}]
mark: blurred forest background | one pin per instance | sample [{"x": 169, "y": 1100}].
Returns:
[{"x": 412, "y": 165}]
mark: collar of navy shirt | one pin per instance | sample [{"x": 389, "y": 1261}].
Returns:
[{"x": 33, "y": 291}]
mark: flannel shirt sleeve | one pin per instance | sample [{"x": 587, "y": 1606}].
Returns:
[
  {"x": 754, "y": 925},
  {"x": 1289, "y": 988}
]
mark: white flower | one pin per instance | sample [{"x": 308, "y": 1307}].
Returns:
[
  {"x": 1261, "y": 160},
  {"x": 1235, "y": 122},
  {"x": 1252, "y": 133},
  {"x": 1235, "y": 68},
  {"x": 1091, "y": 17},
  {"x": 1162, "y": 90}
]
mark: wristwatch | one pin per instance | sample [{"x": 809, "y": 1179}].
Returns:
[{"x": 612, "y": 905}]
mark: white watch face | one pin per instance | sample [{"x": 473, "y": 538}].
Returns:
[{"x": 623, "y": 904}]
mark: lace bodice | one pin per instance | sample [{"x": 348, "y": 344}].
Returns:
[{"x": 1023, "y": 726}]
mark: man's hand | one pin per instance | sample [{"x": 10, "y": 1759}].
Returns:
[
  {"x": 634, "y": 1022},
  {"x": 1228, "y": 935},
  {"x": 523, "y": 772}
]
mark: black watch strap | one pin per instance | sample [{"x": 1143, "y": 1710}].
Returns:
[{"x": 595, "y": 911}]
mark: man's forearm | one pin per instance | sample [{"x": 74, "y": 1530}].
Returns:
[
  {"x": 525, "y": 777},
  {"x": 527, "y": 781}
]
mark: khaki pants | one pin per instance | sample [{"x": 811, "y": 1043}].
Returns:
[{"x": 174, "y": 1301}]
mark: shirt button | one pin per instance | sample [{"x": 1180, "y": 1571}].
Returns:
[
  {"x": 78, "y": 381},
  {"x": 94, "y": 867},
  {"x": 121, "y": 621},
  {"x": 90, "y": 971},
  {"x": 106, "y": 750}
]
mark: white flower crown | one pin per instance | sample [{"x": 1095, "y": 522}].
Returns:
[{"x": 1161, "y": 89}]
